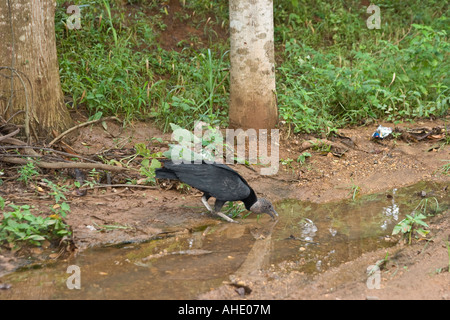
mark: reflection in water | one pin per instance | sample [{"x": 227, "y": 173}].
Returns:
[
  {"x": 310, "y": 236},
  {"x": 316, "y": 237},
  {"x": 309, "y": 230},
  {"x": 391, "y": 212}
]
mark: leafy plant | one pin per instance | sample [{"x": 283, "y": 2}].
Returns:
[
  {"x": 57, "y": 191},
  {"x": 286, "y": 162},
  {"x": 20, "y": 225},
  {"x": 106, "y": 227},
  {"x": 302, "y": 158},
  {"x": 27, "y": 172},
  {"x": 148, "y": 169},
  {"x": 414, "y": 222},
  {"x": 411, "y": 223},
  {"x": 183, "y": 187},
  {"x": 149, "y": 164},
  {"x": 234, "y": 209},
  {"x": 321, "y": 146}
]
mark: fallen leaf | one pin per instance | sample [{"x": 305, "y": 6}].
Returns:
[{"x": 436, "y": 137}]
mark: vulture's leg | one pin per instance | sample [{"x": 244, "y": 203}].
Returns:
[
  {"x": 217, "y": 207},
  {"x": 205, "y": 202}
]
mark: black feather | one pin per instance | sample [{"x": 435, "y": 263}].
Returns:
[{"x": 216, "y": 180}]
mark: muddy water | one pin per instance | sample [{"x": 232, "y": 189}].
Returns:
[{"x": 307, "y": 237}]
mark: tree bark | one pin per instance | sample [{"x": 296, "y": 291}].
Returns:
[
  {"x": 29, "y": 47},
  {"x": 252, "y": 76}
]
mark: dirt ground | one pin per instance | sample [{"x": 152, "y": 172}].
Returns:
[{"x": 329, "y": 174}]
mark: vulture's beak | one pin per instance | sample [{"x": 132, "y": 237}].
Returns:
[{"x": 272, "y": 213}]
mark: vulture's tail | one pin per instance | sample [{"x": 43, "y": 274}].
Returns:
[{"x": 164, "y": 173}]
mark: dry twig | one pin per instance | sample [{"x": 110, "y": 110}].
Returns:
[
  {"x": 64, "y": 165},
  {"x": 84, "y": 124}
]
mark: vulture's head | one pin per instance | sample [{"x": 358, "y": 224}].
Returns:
[{"x": 262, "y": 205}]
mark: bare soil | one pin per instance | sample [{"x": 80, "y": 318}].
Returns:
[{"x": 373, "y": 166}]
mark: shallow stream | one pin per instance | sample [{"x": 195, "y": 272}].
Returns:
[{"x": 311, "y": 237}]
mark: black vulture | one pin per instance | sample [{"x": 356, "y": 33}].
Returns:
[{"x": 218, "y": 181}]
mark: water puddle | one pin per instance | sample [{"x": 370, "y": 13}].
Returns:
[{"x": 310, "y": 237}]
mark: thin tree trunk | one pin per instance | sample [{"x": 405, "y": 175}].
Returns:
[
  {"x": 29, "y": 47},
  {"x": 252, "y": 77}
]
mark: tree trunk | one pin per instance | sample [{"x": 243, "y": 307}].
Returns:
[
  {"x": 29, "y": 47},
  {"x": 252, "y": 77}
]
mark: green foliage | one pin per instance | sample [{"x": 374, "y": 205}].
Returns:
[
  {"x": 111, "y": 28},
  {"x": 114, "y": 65},
  {"x": 331, "y": 69},
  {"x": 200, "y": 92},
  {"x": 302, "y": 158},
  {"x": 286, "y": 162},
  {"x": 354, "y": 191},
  {"x": 445, "y": 169},
  {"x": 235, "y": 209},
  {"x": 183, "y": 187},
  {"x": 57, "y": 191},
  {"x": 189, "y": 143},
  {"x": 335, "y": 71},
  {"x": 98, "y": 65},
  {"x": 447, "y": 244},
  {"x": 414, "y": 222},
  {"x": 411, "y": 223},
  {"x": 21, "y": 226},
  {"x": 60, "y": 210},
  {"x": 148, "y": 169},
  {"x": 27, "y": 172},
  {"x": 149, "y": 163}
]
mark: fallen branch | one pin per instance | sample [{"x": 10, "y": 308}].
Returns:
[
  {"x": 49, "y": 150},
  {"x": 84, "y": 124},
  {"x": 64, "y": 165},
  {"x": 119, "y": 186},
  {"x": 9, "y": 135},
  {"x": 20, "y": 145}
]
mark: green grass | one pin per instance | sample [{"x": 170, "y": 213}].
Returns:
[
  {"x": 445, "y": 169},
  {"x": 337, "y": 72},
  {"x": 114, "y": 65},
  {"x": 234, "y": 210},
  {"x": 332, "y": 70}
]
